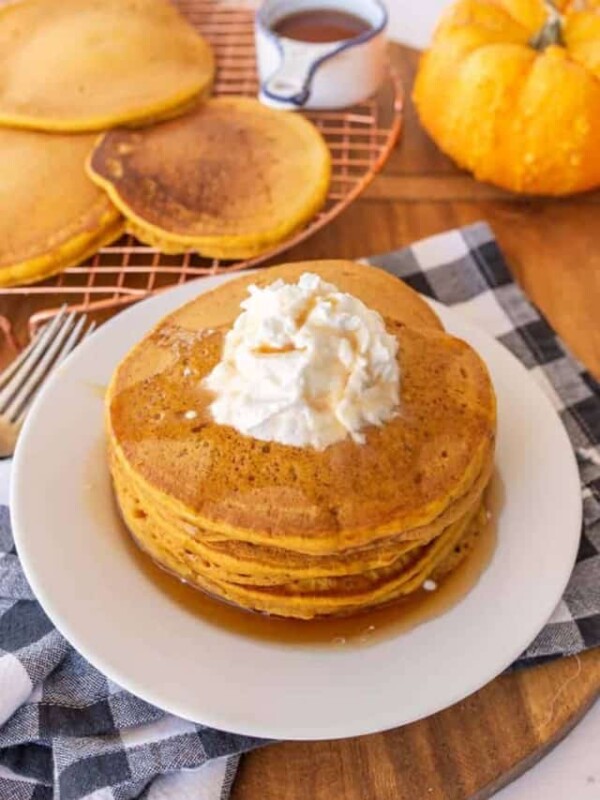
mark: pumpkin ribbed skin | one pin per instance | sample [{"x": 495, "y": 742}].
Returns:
[{"x": 524, "y": 119}]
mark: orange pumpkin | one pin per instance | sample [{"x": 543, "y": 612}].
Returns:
[{"x": 510, "y": 89}]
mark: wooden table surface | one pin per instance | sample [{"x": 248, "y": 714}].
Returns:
[
  {"x": 477, "y": 746},
  {"x": 473, "y": 748}
]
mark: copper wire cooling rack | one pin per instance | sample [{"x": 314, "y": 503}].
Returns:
[{"x": 360, "y": 138}]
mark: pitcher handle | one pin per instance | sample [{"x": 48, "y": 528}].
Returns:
[{"x": 291, "y": 81}]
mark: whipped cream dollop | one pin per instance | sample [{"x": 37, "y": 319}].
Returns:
[{"x": 306, "y": 365}]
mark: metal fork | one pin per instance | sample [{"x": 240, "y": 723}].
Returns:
[{"x": 24, "y": 377}]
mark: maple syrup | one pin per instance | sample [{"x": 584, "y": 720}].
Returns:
[
  {"x": 361, "y": 629},
  {"x": 321, "y": 25}
]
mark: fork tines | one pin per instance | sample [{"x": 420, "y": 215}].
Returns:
[{"x": 20, "y": 382}]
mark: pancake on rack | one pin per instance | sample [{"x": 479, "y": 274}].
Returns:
[
  {"x": 303, "y": 531},
  {"x": 87, "y": 65},
  {"x": 51, "y": 215},
  {"x": 228, "y": 180}
]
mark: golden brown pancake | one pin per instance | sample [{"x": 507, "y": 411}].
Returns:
[
  {"x": 322, "y": 544},
  {"x": 293, "y": 531},
  {"x": 308, "y": 598},
  {"x": 245, "y": 562},
  {"x": 410, "y": 472},
  {"x": 229, "y": 179},
  {"x": 376, "y": 288},
  {"x": 87, "y": 65},
  {"x": 349, "y": 594},
  {"x": 51, "y": 215}
]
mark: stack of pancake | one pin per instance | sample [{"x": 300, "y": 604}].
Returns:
[
  {"x": 299, "y": 532},
  {"x": 221, "y": 177},
  {"x": 67, "y": 70}
]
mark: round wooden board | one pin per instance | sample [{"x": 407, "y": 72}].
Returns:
[
  {"x": 468, "y": 751},
  {"x": 471, "y": 750}
]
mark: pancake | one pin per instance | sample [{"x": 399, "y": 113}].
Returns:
[
  {"x": 354, "y": 594},
  {"x": 318, "y": 597},
  {"x": 51, "y": 215},
  {"x": 413, "y": 477},
  {"x": 378, "y": 289},
  {"x": 302, "y": 532},
  {"x": 245, "y": 562},
  {"x": 229, "y": 179},
  {"x": 110, "y": 62},
  {"x": 380, "y": 548}
]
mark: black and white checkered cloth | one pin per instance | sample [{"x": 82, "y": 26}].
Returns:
[{"x": 69, "y": 733}]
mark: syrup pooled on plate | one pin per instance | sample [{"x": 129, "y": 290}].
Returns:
[
  {"x": 361, "y": 629},
  {"x": 321, "y": 25},
  {"x": 286, "y": 522}
]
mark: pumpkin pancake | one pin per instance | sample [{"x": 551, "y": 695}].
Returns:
[
  {"x": 51, "y": 215},
  {"x": 243, "y": 561},
  {"x": 377, "y": 289},
  {"x": 302, "y": 532},
  {"x": 412, "y": 478},
  {"x": 323, "y": 596},
  {"x": 110, "y": 62},
  {"x": 283, "y": 556},
  {"x": 353, "y": 594},
  {"x": 239, "y": 562},
  {"x": 229, "y": 180}
]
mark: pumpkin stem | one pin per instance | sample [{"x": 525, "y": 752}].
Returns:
[{"x": 551, "y": 30}]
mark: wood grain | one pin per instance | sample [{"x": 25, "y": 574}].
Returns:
[{"x": 470, "y": 750}]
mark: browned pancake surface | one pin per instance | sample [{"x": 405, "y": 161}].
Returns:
[
  {"x": 228, "y": 179},
  {"x": 406, "y": 475},
  {"x": 51, "y": 214}
]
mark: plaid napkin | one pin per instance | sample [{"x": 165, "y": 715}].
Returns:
[{"x": 69, "y": 733}]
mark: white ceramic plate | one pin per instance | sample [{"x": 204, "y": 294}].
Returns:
[{"x": 75, "y": 557}]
